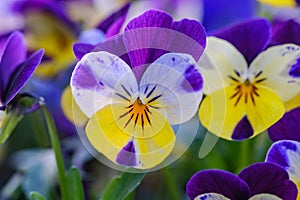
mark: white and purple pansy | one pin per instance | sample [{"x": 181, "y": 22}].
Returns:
[
  {"x": 255, "y": 81},
  {"x": 286, "y": 153},
  {"x": 258, "y": 181},
  {"x": 134, "y": 86}
]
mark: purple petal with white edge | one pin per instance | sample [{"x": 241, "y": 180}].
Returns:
[
  {"x": 278, "y": 152},
  {"x": 286, "y": 32},
  {"x": 117, "y": 17},
  {"x": 269, "y": 178},
  {"x": 21, "y": 75},
  {"x": 99, "y": 79},
  {"x": 174, "y": 85},
  {"x": 286, "y": 153},
  {"x": 255, "y": 37},
  {"x": 127, "y": 155},
  {"x": 14, "y": 54},
  {"x": 287, "y": 128},
  {"x": 219, "y": 182},
  {"x": 154, "y": 33},
  {"x": 243, "y": 130}
]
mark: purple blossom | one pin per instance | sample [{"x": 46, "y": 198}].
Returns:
[
  {"x": 15, "y": 67},
  {"x": 258, "y": 181}
]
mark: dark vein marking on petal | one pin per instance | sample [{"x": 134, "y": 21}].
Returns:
[
  {"x": 126, "y": 90},
  {"x": 258, "y": 74},
  {"x": 260, "y": 80},
  {"x": 128, "y": 120},
  {"x": 123, "y": 97},
  {"x": 234, "y": 79},
  {"x": 154, "y": 98},
  {"x": 237, "y": 73},
  {"x": 149, "y": 94}
]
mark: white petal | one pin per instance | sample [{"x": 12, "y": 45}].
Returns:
[
  {"x": 275, "y": 64},
  {"x": 265, "y": 197},
  {"x": 219, "y": 61},
  {"x": 177, "y": 85},
  {"x": 96, "y": 80},
  {"x": 211, "y": 196}
]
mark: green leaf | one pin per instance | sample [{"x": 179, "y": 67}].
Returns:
[
  {"x": 75, "y": 185},
  {"x": 121, "y": 186},
  {"x": 9, "y": 123},
  {"x": 36, "y": 196}
]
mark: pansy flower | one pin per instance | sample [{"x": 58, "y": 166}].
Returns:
[
  {"x": 134, "y": 97},
  {"x": 48, "y": 25},
  {"x": 246, "y": 84},
  {"x": 258, "y": 181},
  {"x": 287, "y": 126},
  {"x": 286, "y": 153},
  {"x": 15, "y": 68}
]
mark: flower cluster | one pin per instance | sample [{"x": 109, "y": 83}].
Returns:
[{"x": 140, "y": 84}]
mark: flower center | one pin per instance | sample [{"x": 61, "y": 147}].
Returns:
[
  {"x": 139, "y": 112},
  {"x": 246, "y": 92}
]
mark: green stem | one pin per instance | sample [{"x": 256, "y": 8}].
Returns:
[
  {"x": 57, "y": 151},
  {"x": 244, "y": 154},
  {"x": 174, "y": 189},
  {"x": 39, "y": 130}
]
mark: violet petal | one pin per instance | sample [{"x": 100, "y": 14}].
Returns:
[
  {"x": 249, "y": 37},
  {"x": 21, "y": 75},
  {"x": 287, "y": 128},
  {"x": 217, "y": 181},
  {"x": 269, "y": 178}
]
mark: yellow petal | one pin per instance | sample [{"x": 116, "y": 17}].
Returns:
[
  {"x": 268, "y": 109},
  {"x": 279, "y": 3},
  {"x": 109, "y": 134},
  {"x": 219, "y": 114},
  {"x": 71, "y": 110}
]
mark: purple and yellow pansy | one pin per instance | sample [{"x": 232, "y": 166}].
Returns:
[
  {"x": 256, "y": 81},
  {"x": 132, "y": 99},
  {"x": 259, "y": 181}
]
